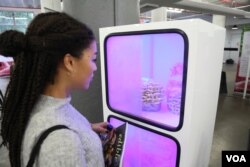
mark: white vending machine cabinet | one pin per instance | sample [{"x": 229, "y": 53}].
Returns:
[{"x": 163, "y": 79}]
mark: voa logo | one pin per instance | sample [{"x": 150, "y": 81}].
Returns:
[{"x": 236, "y": 158}]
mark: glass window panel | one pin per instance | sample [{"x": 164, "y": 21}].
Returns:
[
  {"x": 145, "y": 148},
  {"x": 15, "y": 20},
  {"x": 146, "y": 76}
]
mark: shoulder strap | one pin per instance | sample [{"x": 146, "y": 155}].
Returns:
[{"x": 36, "y": 149}]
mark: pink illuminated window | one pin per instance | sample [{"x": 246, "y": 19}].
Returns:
[
  {"x": 146, "y": 76},
  {"x": 145, "y": 148}
]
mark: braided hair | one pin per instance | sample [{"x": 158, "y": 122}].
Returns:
[{"x": 37, "y": 55}]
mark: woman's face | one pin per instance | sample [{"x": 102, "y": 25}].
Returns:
[{"x": 84, "y": 68}]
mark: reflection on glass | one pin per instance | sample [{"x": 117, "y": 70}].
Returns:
[
  {"x": 15, "y": 20},
  {"x": 145, "y": 76},
  {"x": 147, "y": 149}
]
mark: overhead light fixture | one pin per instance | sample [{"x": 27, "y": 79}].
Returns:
[
  {"x": 16, "y": 18},
  {"x": 235, "y": 27},
  {"x": 20, "y": 18},
  {"x": 235, "y": 17},
  {"x": 174, "y": 10}
]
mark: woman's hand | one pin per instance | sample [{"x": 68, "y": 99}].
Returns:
[{"x": 100, "y": 127}]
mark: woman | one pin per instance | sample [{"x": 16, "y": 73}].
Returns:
[{"x": 55, "y": 56}]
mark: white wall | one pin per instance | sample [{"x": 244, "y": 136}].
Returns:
[
  {"x": 51, "y": 5},
  {"x": 232, "y": 41}
]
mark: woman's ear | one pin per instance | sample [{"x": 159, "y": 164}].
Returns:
[{"x": 69, "y": 62}]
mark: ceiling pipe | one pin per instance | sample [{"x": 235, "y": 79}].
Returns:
[
  {"x": 241, "y": 7},
  {"x": 202, "y": 7}
]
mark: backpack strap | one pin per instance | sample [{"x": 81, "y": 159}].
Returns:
[{"x": 36, "y": 149}]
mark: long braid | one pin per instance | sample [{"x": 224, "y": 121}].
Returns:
[
  {"x": 48, "y": 38},
  {"x": 22, "y": 69},
  {"x": 15, "y": 85}
]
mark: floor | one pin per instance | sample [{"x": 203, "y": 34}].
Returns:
[{"x": 232, "y": 121}]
